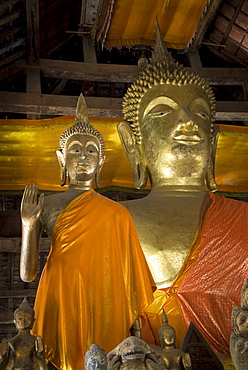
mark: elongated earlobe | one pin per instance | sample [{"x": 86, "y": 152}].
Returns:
[
  {"x": 97, "y": 176},
  {"x": 210, "y": 179},
  {"x": 134, "y": 155},
  {"x": 63, "y": 176},
  {"x": 63, "y": 170}
]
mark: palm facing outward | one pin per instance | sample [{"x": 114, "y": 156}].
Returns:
[{"x": 31, "y": 207}]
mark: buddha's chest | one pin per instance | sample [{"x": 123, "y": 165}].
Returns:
[{"x": 166, "y": 232}]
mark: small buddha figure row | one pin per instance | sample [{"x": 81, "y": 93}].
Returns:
[
  {"x": 26, "y": 351},
  {"x": 239, "y": 336},
  {"x": 134, "y": 353}
]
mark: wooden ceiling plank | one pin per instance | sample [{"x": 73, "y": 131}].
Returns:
[
  {"x": 88, "y": 49},
  {"x": 5, "y": 4},
  {"x": 32, "y": 15},
  {"x": 59, "y": 87},
  {"x": 12, "y": 58},
  {"x": 127, "y": 73},
  {"x": 33, "y": 86},
  {"x": 10, "y": 74},
  {"x": 10, "y": 17},
  {"x": 232, "y": 20},
  {"x": 98, "y": 107},
  {"x": 194, "y": 58}
]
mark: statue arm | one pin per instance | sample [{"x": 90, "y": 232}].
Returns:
[
  {"x": 39, "y": 350},
  {"x": 187, "y": 361},
  {"x": 31, "y": 209}
]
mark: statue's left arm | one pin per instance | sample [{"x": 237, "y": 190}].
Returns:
[
  {"x": 187, "y": 361},
  {"x": 31, "y": 209},
  {"x": 39, "y": 350}
]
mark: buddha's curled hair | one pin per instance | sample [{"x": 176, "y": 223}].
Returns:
[{"x": 161, "y": 72}]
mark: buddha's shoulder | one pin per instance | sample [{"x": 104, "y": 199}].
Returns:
[
  {"x": 111, "y": 204},
  {"x": 52, "y": 199}
]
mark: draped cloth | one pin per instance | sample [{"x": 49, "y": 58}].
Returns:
[
  {"x": 95, "y": 284},
  {"x": 210, "y": 281}
]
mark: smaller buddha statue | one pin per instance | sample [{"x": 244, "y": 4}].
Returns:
[
  {"x": 174, "y": 359},
  {"x": 24, "y": 351},
  {"x": 95, "y": 358},
  {"x": 134, "y": 353},
  {"x": 239, "y": 336}
]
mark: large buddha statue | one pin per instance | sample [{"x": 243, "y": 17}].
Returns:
[
  {"x": 96, "y": 282},
  {"x": 194, "y": 241}
]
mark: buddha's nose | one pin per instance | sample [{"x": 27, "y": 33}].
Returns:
[
  {"x": 189, "y": 127},
  {"x": 83, "y": 156}
]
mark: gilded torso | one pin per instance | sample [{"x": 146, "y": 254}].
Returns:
[{"x": 166, "y": 226}]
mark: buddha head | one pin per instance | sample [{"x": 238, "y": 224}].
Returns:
[
  {"x": 24, "y": 316},
  {"x": 166, "y": 334},
  {"x": 168, "y": 132},
  {"x": 81, "y": 150},
  {"x": 95, "y": 358},
  {"x": 240, "y": 321}
]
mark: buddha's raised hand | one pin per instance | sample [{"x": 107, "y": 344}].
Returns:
[{"x": 31, "y": 206}]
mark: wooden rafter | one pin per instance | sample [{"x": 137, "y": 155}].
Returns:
[
  {"x": 127, "y": 73},
  {"x": 98, "y": 107},
  {"x": 32, "y": 14}
]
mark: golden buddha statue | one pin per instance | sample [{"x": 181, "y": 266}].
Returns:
[
  {"x": 187, "y": 233},
  {"x": 96, "y": 282},
  {"x": 24, "y": 351},
  {"x": 174, "y": 359}
]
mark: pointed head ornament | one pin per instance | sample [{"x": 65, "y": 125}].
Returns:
[
  {"x": 165, "y": 327},
  {"x": 24, "y": 307}
]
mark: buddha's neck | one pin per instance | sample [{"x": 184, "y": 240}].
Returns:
[
  {"x": 184, "y": 190},
  {"x": 79, "y": 186},
  {"x": 179, "y": 180}
]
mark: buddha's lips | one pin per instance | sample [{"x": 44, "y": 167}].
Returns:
[
  {"x": 83, "y": 165},
  {"x": 191, "y": 138}
]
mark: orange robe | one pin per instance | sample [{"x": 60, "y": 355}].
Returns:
[
  {"x": 210, "y": 281},
  {"x": 95, "y": 284}
]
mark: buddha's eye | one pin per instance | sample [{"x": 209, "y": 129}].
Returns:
[
  {"x": 74, "y": 150},
  {"x": 159, "y": 114},
  {"x": 242, "y": 319},
  {"x": 91, "y": 149},
  {"x": 203, "y": 115}
]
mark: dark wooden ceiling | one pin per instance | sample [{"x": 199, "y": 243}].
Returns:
[{"x": 47, "y": 57}]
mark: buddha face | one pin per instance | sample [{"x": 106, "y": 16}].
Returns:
[
  {"x": 82, "y": 157},
  {"x": 24, "y": 320},
  {"x": 242, "y": 322},
  {"x": 96, "y": 363},
  {"x": 167, "y": 338},
  {"x": 175, "y": 127}
]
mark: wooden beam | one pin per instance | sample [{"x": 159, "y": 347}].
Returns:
[
  {"x": 231, "y": 111},
  {"x": 98, "y": 107},
  {"x": 33, "y": 86},
  {"x": 194, "y": 58},
  {"x": 88, "y": 49},
  {"x": 59, "y": 87},
  {"x": 57, "y": 104},
  {"x": 85, "y": 71},
  {"x": 32, "y": 15},
  {"x": 127, "y": 73}
]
